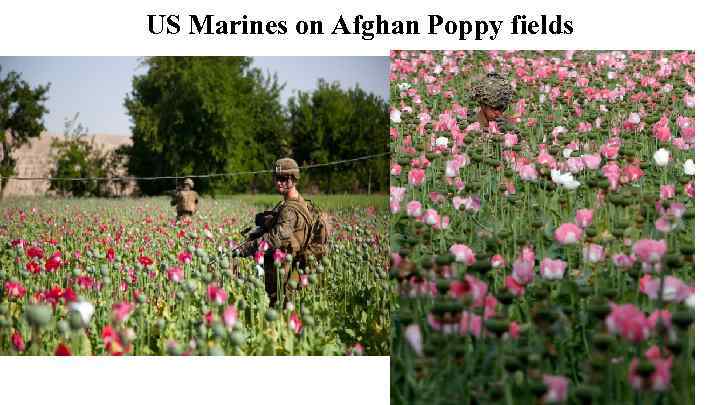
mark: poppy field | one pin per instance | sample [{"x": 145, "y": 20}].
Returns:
[
  {"x": 549, "y": 260},
  {"x": 122, "y": 277}
]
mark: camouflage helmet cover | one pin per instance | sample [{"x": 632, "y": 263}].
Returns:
[
  {"x": 493, "y": 90},
  {"x": 188, "y": 182},
  {"x": 288, "y": 167}
]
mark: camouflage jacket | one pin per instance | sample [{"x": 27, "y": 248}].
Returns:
[{"x": 290, "y": 229}]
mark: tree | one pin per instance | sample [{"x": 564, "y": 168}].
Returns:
[
  {"x": 332, "y": 124},
  {"x": 21, "y": 110},
  {"x": 198, "y": 115},
  {"x": 77, "y": 156}
]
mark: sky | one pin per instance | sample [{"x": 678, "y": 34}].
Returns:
[{"x": 95, "y": 87}]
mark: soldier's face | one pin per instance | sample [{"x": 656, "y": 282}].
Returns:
[
  {"x": 490, "y": 113},
  {"x": 284, "y": 183}
]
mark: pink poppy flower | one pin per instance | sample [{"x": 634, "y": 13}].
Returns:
[
  {"x": 527, "y": 172},
  {"x": 175, "y": 274},
  {"x": 278, "y": 256},
  {"x": 583, "y": 217},
  {"x": 523, "y": 271},
  {"x": 122, "y": 311},
  {"x": 546, "y": 159},
  {"x": 667, "y": 191},
  {"x": 659, "y": 380},
  {"x": 610, "y": 151},
  {"x": 690, "y": 189},
  {"x": 431, "y": 217},
  {"x": 575, "y": 164},
  {"x": 497, "y": 262},
  {"x": 629, "y": 322},
  {"x": 452, "y": 168},
  {"x": 463, "y": 254},
  {"x": 184, "y": 257},
  {"x": 229, "y": 316},
  {"x": 416, "y": 177},
  {"x": 622, "y": 260},
  {"x": 514, "y": 287},
  {"x": 394, "y": 206},
  {"x": 414, "y": 209},
  {"x": 295, "y": 323},
  {"x": 593, "y": 253},
  {"x": 473, "y": 289},
  {"x": 557, "y": 389},
  {"x": 674, "y": 289},
  {"x": 552, "y": 269},
  {"x": 592, "y": 162},
  {"x": 216, "y": 294},
  {"x": 259, "y": 257},
  {"x": 650, "y": 251},
  {"x": 568, "y": 234},
  {"x": 397, "y": 193}
]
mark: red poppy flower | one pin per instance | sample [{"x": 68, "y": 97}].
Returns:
[
  {"x": 53, "y": 263},
  {"x": 18, "y": 341},
  {"x": 14, "y": 289},
  {"x": 33, "y": 267},
  {"x": 145, "y": 261},
  {"x": 185, "y": 257},
  {"x": 62, "y": 350},
  {"x": 34, "y": 252},
  {"x": 110, "y": 255}
]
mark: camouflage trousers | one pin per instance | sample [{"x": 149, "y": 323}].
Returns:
[{"x": 281, "y": 275}]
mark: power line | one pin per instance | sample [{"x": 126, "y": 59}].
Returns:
[{"x": 197, "y": 176}]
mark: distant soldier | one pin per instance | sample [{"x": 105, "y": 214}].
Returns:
[
  {"x": 185, "y": 200},
  {"x": 287, "y": 227},
  {"x": 493, "y": 94}
]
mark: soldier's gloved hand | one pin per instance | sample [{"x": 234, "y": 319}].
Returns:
[
  {"x": 255, "y": 233},
  {"x": 245, "y": 250}
]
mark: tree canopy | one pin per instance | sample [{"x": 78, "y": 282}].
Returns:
[
  {"x": 21, "y": 112},
  {"x": 204, "y": 115}
]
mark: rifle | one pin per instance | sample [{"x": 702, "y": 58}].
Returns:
[{"x": 263, "y": 222}]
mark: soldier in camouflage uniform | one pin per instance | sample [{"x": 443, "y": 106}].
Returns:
[
  {"x": 493, "y": 94},
  {"x": 288, "y": 228},
  {"x": 185, "y": 200}
]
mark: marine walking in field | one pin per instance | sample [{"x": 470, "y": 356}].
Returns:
[
  {"x": 293, "y": 227},
  {"x": 185, "y": 200},
  {"x": 493, "y": 94}
]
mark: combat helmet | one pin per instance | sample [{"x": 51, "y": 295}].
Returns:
[
  {"x": 286, "y": 167},
  {"x": 188, "y": 182},
  {"x": 493, "y": 90}
]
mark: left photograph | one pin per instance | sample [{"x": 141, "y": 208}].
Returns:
[{"x": 194, "y": 206}]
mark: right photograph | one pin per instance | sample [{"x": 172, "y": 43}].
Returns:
[{"x": 542, "y": 227}]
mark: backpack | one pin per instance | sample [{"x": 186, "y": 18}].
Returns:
[{"x": 319, "y": 229}]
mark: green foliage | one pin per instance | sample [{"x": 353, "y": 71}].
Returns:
[
  {"x": 21, "y": 110},
  {"x": 204, "y": 115},
  {"x": 332, "y": 124},
  {"x": 78, "y": 156}
]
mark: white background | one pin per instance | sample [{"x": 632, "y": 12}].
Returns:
[{"x": 30, "y": 27}]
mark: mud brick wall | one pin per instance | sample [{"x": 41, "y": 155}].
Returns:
[{"x": 35, "y": 160}]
